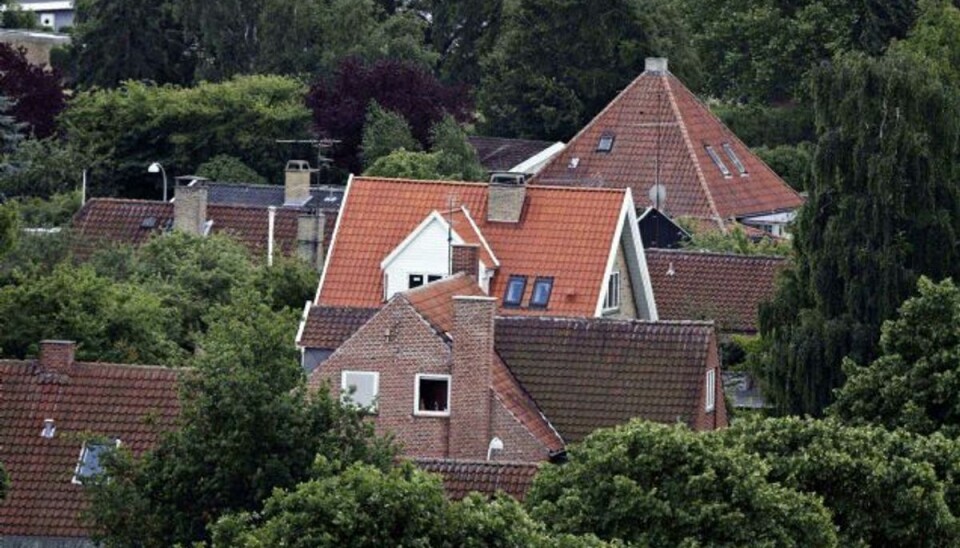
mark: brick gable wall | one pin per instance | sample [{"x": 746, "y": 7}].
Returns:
[{"x": 712, "y": 420}]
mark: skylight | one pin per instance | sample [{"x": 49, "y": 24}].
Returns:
[
  {"x": 542, "y": 288},
  {"x": 149, "y": 222},
  {"x": 89, "y": 465},
  {"x": 734, "y": 158},
  {"x": 515, "y": 289},
  {"x": 716, "y": 160},
  {"x": 606, "y": 142}
]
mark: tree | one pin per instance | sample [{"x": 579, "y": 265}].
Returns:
[
  {"x": 340, "y": 102},
  {"x": 791, "y": 162},
  {"x": 10, "y": 134},
  {"x": 36, "y": 93},
  {"x": 657, "y": 485},
  {"x": 226, "y": 35},
  {"x": 883, "y": 488},
  {"x": 248, "y": 427},
  {"x": 936, "y": 36},
  {"x": 559, "y": 62},
  {"x": 15, "y": 17},
  {"x": 383, "y": 133},
  {"x": 403, "y": 164},
  {"x": 462, "y": 32},
  {"x": 735, "y": 241},
  {"x": 915, "y": 383},
  {"x": 8, "y": 229},
  {"x": 45, "y": 167},
  {"x": 883, "y": 209},
  {"x": 229, "y": 169},
  {"x": 457, "y": 158}
]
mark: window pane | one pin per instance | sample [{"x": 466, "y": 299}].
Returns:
[
  {"x": 710, "y": 390},
  {"x": 541, "y": 292},
  {"x": 716, "y": 160},
  {"x": 434, "y": 278},
  {"x": 89, "y": 465},
  {"x": 606, "y": 143},
  {"x": 515, "y": 288},
  {"x": 433, "y": 395},
  {"x": 360, "y": 388},
  {"x": 416, "y": 280},
  {"x": 734, "y": 158},
  {"x": 613, "y": 291}
]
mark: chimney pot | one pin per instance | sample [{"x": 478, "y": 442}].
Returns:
[
  {"x": 57, "y": 356},
  {"x": 656, "y": 64},
  {"x": 190, "y": 209}
]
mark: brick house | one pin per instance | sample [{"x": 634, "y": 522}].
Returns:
[
  {"x": 58, "y": 415},
  {"x": 656, "y": 131},
  {"x": 452, "y": 380}
]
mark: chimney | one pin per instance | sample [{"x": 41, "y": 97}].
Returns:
[
  {"x": 656, "y": 64},
  {"x": 296, "y": 183},
  {"x": 466, "y": 258},
  {"x": 190, "y": 209},
  {"x": 57, "y": 356},
  {"x": 505, "y": 201},
  {"x": 470, "y": 405},
  {"x": 310, "y": 233}
]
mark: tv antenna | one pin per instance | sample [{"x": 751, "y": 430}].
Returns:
[{"x": 322, "y": 146}]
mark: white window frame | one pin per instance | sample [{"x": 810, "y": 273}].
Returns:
[
  {"x": 83, "y": 451},
  {"x": 732, "y": 154},
  {"x": 613, "y": 286},
  {"x": 712, "y": 153},
  {"x": 416, "y": 394},
  {"x": 710, "y": 390},
  {"x": 345, "y": 389}
]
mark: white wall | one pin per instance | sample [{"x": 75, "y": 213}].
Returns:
[{"x": 426, "y": 254}]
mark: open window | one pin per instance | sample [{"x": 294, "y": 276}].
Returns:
[
  {"x": 542, "y": 287},
  {"x": 88, "y": 465},
  {"x": 612, "y": 300},
  {"x": 710, "y": 391},
  {"x": 516, "y": 286},
  {"x": 360, "y": 388},
  {"x": 432, "y": 395}
]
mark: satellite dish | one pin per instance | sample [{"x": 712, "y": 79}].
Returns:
[{"x": 658, "y": 195}]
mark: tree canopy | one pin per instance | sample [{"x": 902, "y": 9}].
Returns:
[{"x": 36, "y": 94}]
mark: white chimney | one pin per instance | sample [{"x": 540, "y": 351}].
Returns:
[{"x": 656, "y": 64}]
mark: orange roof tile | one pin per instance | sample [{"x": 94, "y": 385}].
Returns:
[
  {"x": 465, "y": 226},
  {"x": 660, "y": 127},
  {"x": 435, "y": 301},
  {"x": 565, "y": 232}
]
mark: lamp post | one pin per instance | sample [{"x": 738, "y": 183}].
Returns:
[{"x": 157, "y": 168}]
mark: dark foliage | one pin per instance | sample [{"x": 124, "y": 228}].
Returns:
[{"x": 37, "y": 93}]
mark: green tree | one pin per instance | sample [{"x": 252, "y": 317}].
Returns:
[
  {"x": 11, "y": 133},
  {"x": 15, "y": 17},
  {"x": 735, "y": 241},
  {"x": 915, "y": 383},
  {"x": 403, "y": 164},
  {"x": 791, "y": 162},
  {"x": 559, "y": 62},
  {"x": 385, "y": 132},
  {"x": 883, "y": 209},
  {"x": 936, "y": 36},
  {"x": 462, "y": 32},
  {"x": 8, "y": 228},
  {"x": 44, "y": 167},
  {"x": 229, "y": 169},
  {"x": 226, "y": 35},
  {"x": 457, "y": 158},
  {"x": 883, "y": 488},
  {"x": 656, "y": 485},
  {"x": 248, "y": 427}
]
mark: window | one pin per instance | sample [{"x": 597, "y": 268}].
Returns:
[
  {"x": 612, "y": 300},
  {"x": 415, "y": 280},
  {"x": 541, "y": 292},
  {"x": 434, "y": 278},
  {"x": 710, "y": 390},
  {"x": 432, "y": 396},
  {"x": 716, "y": 160},
  {"x": 515, "y": 289},
  {"x": 88, "y": 465},
  {"x": 606, "y": 143},
  {"x": 360, "y": 388},
  {"x": 734, "y": 158}
]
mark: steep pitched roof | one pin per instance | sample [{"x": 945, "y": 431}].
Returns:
[
  {"x": 328, "y": 327},
  {"x": 435, "y": 301},
  {"x": 132, "y": 403},
  {"x": 593, "y": 373},
  {"x": 566, "y": 233},
  {"x": 502, "y": 154},
  {"x": 659, "y": 127},
  {"x": 726, "y": 288},
  {"x": 462, "y": 477},
  {"x": 120, "y": 221}
]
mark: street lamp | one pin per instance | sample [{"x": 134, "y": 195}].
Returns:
[{"x": 157, "y": 168}]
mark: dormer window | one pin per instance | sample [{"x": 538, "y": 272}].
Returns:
[
  {"x": 516, "y": 286},
  {"x": 717, "y": 161},
  {"x": 606, "y": 142},
  {"x": 88, "y": 466},
  {"x": 542, "y": 287},
  {"x": 732, "y": 154}
]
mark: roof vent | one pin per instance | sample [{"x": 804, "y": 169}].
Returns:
[
  {"x": 574, "y": 162},
  {"x": 49, "y": 429},
  {"x": 655, "y": 64},
  {"x": 671, "y": 271},
  {"x": 149, "y": 222}
]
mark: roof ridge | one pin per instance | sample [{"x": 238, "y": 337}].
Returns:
[
  {"x": 395, "y": 180},
  {"x": 137, "y": 366},
  {"x": 710, "y": 253},
  {"x": 441, "y": 460},
  {"x": 610, "y": 190},
  {"x": 667, "y": 323}
]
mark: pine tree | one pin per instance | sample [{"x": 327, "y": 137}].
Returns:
[{"x": 884, "y": 208}]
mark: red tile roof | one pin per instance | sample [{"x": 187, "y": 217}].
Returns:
[
  {"x": 566, "y": 233},
  {"x": 462, "y": 477},
  {"x": 109, "y": 220},
  {"x": 658, "y": 125},
  {"x": 131, "y": 403},
  {"x": 465, "y": 226},
  {"x": 328, "y": 327},
  {"x": 726, "y": 288},
  {"x": 593, "y": 373},
  {"x": 435, "y": 301}
]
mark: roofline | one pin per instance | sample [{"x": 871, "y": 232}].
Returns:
[
  {"x": 34, "y": 361},
  {"x": 466, "y": 213},
  {"x": 333, "y": 238},
  {"x": 739, "y": 216},
  {"x": 611, "y": 258},
  {"x": 409, "y": 238},
  {"x": 544, "y": 155},
  {"x": 606, "y": 319},
  {"x": 171, "y": 204},
  {"x": 665, "y": 216},
  {"x": 708, "y": 253},
  {"x": 645, "y": 278},
  {"x": 303, "y": 324},
  {"x": 537, "y": 464}
]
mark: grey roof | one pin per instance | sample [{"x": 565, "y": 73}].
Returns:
[
  {"x": 324, "y": 197},
  {"x": 502, "y": 154}
]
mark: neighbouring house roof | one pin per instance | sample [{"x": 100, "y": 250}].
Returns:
[
  {"x": 121, "y": 221},
  {"x": 726, "y": 288},
  {"x": 322, "y": 197},
  {"x": 502, "y": 154},
  {"x": 462, "y": 477},
  {"x": 564, "y": 233},
  {"x": 435, "y": 301},
  {"x": 586, "y": 374},
  {"x": 134, "y": 404},
  {"x": 661, "y": 131},
  {"x": 327, "y": 327}
]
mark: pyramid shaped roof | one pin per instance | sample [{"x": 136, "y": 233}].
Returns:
[{"x": 657, "y": 129}]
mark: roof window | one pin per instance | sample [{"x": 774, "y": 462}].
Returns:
[
  {"x": 542, "y": 287},
  {"x": 606, "y": 142},
  {"x": 734, "y": 158},
  {"x": 716, "y": 160},
  {"x": 148, "y": 222},
  {"x": 516, "y": 286},
  {"x": 89, "y": 464}
]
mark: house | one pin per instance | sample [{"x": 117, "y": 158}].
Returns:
[
  {"x": 55, "y": 14},
  {"x": 58, "y": 416},
  {"x": 452, "y": 380},
  {"x": 657, "y": 138},
  {"x": 660, "y": 231},
  {"x": 462, "y": 477},
  {"x": 498, "y": 154},
  {"x": 36, "y": 44},
  {"x": 295, "y": 228}
]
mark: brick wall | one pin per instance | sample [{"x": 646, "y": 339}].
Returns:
[
  {"x": 466, "y": 258},
  {"x": 712, "y": 420},
  {"x": 472, "y": 364},
  {"x": 518, "y": 444},
  {"x": 57, "y": 356}
]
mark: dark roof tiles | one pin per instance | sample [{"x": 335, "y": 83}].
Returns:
[
  {"x": 502, "y": 154},
  {"x": 462, "y": 477},
  {"x": 328, "y": 327}
]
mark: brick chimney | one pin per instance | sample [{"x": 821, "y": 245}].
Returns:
[
  {"x": 190, "y": 209},
  {"x": 296, "y": 183},
  {"x": 505, "y": 201},
  {"x": 57, "y": 356},
  {"x": 466, "y": 258},
  {"x": 310, "y": 233},
  {"x": 470, "y": 405},
  {"x": 655, "y": 64}
]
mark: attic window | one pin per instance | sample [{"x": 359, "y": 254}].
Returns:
[
  {"x": 734, "y": 158},
  {"x": 360, "y": 388},
  {"x": 149, "y": 222},
  {"x": 542, "y": 287},
  {"x": 710, "y": 390},
  {"x": 716, "y": 160},
  {"x": 432, "y": 395},
  {"x": 606, "y": 142},
  {"x": 516, "y": 286},
  {"x": 88, "y": 466},
  {"x": 612, "y": 300}
]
